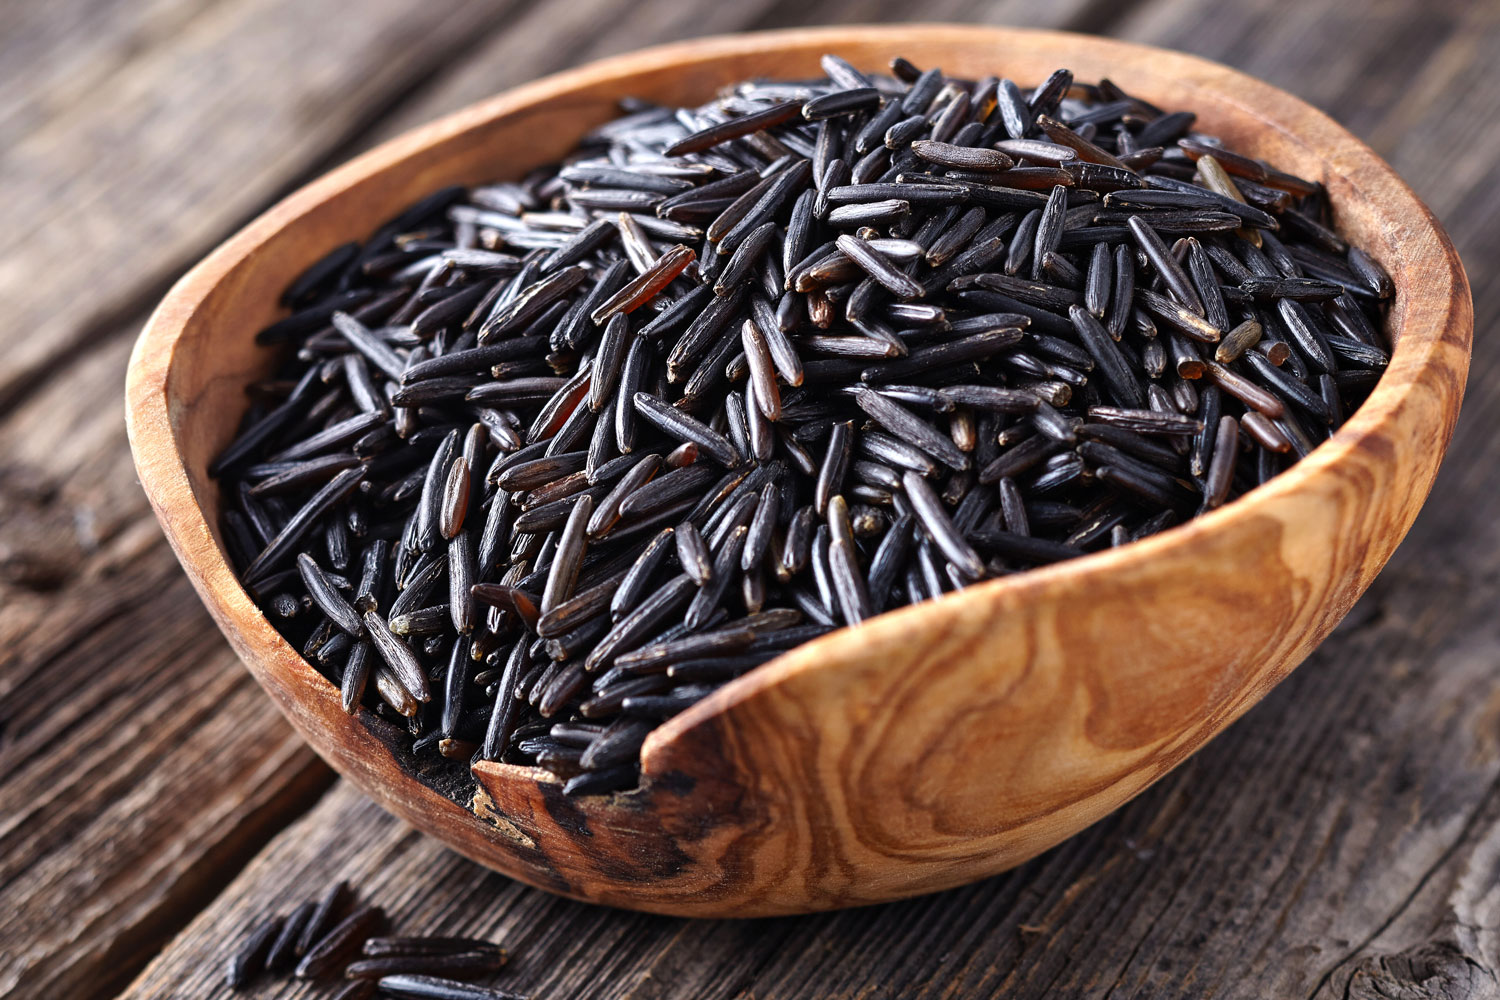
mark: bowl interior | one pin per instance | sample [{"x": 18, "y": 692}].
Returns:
[{"x": 217, "y": 366}]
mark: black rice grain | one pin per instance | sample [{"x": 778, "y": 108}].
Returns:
[
  {"x": 249, "y": 960},
  {"x": 417, "y": 987},
  {"x": 453, "y": 965},
  {"x": 283, "y": 954},
  {"x": 341, "y": 942}
]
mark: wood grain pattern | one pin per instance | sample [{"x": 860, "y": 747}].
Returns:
[
  {"x": 548, "y": 38},
  {"x": 800, "y": 786},
  {"x": 206, "y": 78}
]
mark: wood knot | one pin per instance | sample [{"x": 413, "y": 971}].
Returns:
[{"x": 1430, "y": 971}]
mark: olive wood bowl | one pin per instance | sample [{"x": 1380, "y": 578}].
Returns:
[{"x": 933, "y": 745}]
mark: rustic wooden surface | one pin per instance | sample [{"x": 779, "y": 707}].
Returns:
[{"x": 1343, "y": 839}]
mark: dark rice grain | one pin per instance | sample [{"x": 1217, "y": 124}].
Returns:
[{"x": 249, "y": 960}]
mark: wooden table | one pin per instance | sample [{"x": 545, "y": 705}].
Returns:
[{"x": 1342, "y": 840}]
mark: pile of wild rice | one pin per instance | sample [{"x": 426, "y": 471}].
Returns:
[
  {"x": 319, "y": 940},
  {"x": 551, "y": 460}
]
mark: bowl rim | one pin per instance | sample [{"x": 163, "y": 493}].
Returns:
[{"x": 1430, "y": 331}]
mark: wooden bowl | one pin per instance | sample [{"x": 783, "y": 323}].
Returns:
[{"x": 934, "y": 745}]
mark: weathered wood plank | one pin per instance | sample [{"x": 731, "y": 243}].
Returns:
[
  {"x": 52, "y": 55},
  {"x": 1342, "y": 834},
  {"x": 186, "y": 137},
  {"x": 1341, "y": 840},
  {"x": 511, "y": 57},
  {"x": 140, "y": 765}
]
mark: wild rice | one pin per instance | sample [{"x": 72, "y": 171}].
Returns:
[
  {"x": 332, "y": 948},
  {"x": 728, "y": 376}
]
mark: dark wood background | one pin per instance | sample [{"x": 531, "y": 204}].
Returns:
[{"x": 1342, "y": 840}]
